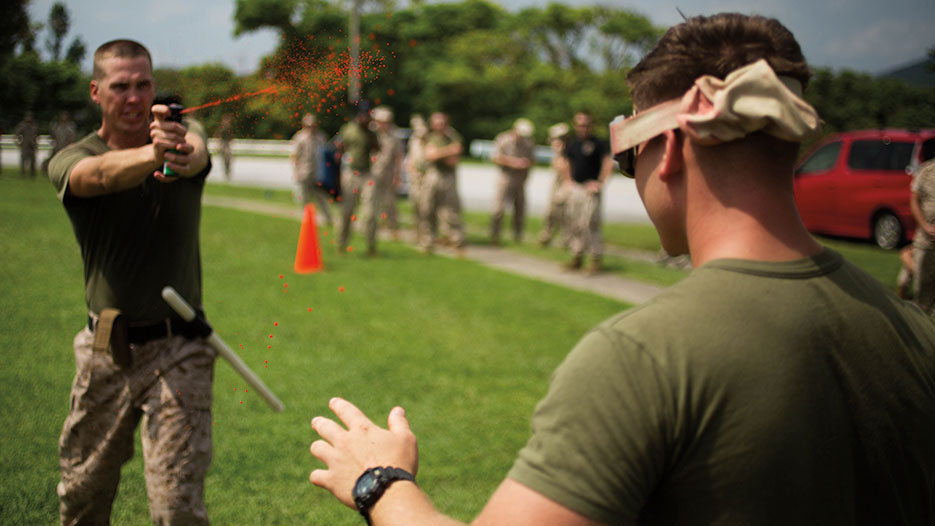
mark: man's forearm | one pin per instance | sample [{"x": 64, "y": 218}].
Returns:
[
  {"x": 113, "y": 171},
  {"x": 404, "y": 504}
]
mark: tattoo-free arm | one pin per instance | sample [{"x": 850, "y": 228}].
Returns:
[
  {"x": 347, "y": 453},
  {"x": 112, "y": 172}
]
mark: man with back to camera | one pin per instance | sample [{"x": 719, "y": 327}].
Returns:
[
  {"x": 138, "y": 232},
  {"x": 776, "y": 384}
]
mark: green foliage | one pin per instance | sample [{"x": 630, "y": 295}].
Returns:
[
  {"x": 472, "y": 59},
  {"x": 58, "y": 28},
  {"x": 44, "y": 87},
  {"x": 849, "y": 101}
]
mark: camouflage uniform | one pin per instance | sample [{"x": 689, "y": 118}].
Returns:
[
  {"x": 511, "y": 183},
  {"x": 27, "y": 136},
  {"x": 440, "y": 201},
  {"x": 169, "y": 386},
  {"x": 134, "y": 243},
  {"x": 226, "y": 136},
  {"x": 63, "y": 134},
  {"x": 415, "y": 171},
  {"x": 386, "y": 167},
  {"x": 923, "y": 186},
  {"x": 306, "y": 151},
  {"x": 555, "y": 214},
  {"x": 357, "y": 183},
  {"x": 584, "y": 222}
]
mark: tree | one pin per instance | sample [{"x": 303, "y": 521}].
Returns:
[
  {"x": 479, "y": 63},
  {"x": 31, "y": 84},
  {"x": 556, "y": 32},
  {"x": 622, "y": 37},
  {"x": 76, "y": 52},
  {"x": 58, "y": 28},
  {"x": 14, "y": 27}
]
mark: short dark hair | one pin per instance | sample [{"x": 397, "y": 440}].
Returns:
[
  {"x": 121, "y": 48},
  {"x": 715, "y": 45}
]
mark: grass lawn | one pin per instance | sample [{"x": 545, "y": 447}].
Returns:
[{"x": 466, "y": 350}]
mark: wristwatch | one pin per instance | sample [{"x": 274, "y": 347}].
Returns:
[{"x": 370, "y": 487}]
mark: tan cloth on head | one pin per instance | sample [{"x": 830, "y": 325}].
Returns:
[
  {"x": 750, "y": 99},
  {"x": 713, "y": 111}
]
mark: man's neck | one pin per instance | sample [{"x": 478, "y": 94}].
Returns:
[
  {"x": 767, "y": 229},
  {"x": 121, "y": 141}
]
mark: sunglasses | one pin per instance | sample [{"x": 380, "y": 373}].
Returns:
[
  {"x": 627, "y": 133},
  {"x": 626, "y": 162}
]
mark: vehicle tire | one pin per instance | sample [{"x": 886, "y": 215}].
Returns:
[{"x": 887, "y": 231}]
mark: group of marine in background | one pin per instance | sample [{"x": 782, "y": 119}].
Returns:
[{"x": 373, "y": 157}]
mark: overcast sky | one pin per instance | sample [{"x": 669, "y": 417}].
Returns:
[{"x": 871, "y": 36}]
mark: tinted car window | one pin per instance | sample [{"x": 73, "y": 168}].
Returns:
[
  {"x": 822, "y": 160},
  {"x": 928, "y": 149},
  {"x": 880, "y": 155}
]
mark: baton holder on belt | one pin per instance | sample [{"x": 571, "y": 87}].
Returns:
[{"x": 111, "y": 335}]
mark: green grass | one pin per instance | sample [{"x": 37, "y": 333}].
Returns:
[{"x": 467, "y": 350}]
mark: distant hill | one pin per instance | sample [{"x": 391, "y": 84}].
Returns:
[{"x": 916, "y": 73}]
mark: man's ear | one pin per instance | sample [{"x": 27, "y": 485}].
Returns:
[
  {"x": 94, "y": 92},
  {"x": 672, "y": 159}
]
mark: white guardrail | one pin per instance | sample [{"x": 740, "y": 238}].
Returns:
[{"x": 479, "y": 148}]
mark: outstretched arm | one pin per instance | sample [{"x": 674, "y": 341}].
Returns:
[
  {"x": 347, "y": 453},
  {"x": 118, "y": 170}
]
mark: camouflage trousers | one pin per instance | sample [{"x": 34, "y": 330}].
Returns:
[
  {"x": 358, "y": 187},
  {"x": 924, "y": 289},
  {"x": 315, "y": 194},
  {"x": 416, "y": 185},
  {"x": 386, "y": 201},
  {"x": 555, "y": 214},
  {"x": 168, "y": 386},
  {"x": 27, "y": 161},
  {"x": 441, "y": 207},
  {"x": 511, "y": 188},
  {"x": 583, "y": 212}
]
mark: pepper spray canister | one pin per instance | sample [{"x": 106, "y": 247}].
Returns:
[{"x": 175, "y": 115}]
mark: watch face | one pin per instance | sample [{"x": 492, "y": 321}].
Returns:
[{"x": 365, "y": 484}]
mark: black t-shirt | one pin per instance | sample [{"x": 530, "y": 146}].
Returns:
[{"x": 585, "y": 157}]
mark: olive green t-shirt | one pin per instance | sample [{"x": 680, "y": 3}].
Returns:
[
  {"x": 359, "y": 145},
  {"x": 137, "y": 241},
  {"x": 761, "y": 393}
]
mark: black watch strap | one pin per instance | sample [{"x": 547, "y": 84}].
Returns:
[{"x": 372, "y": 484}]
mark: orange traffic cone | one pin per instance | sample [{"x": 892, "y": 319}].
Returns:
[{"x": 308, "y": 254}]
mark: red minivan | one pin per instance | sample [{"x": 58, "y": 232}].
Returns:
[{"x": 857, "y": 184}]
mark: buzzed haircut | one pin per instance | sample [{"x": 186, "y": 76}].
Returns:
[
  {"x": 121, "y": 48},
  {"x": 715, "y": 45}
]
